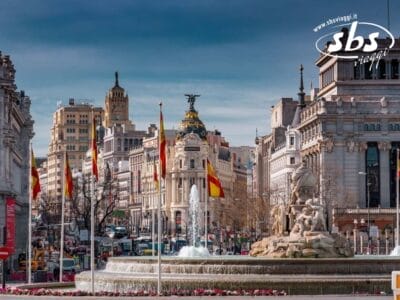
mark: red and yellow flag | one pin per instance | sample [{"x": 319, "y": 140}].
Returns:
[
  {"x": 95, "y": 171},
  {"x": 163, "y": 159},
  {"x": 214, "y": 185},
  {"x": 155, "y": 176},
  {"x": 68, "y": 184},
  {"x": 34, "y": 177}
]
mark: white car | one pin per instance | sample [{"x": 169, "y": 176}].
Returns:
[{"x": 68, "y": 266}]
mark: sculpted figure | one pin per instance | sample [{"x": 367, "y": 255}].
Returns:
[
  {"x": 278, "y": 217},
  {"x": 318, "y": 219},
  {"x": 303, "y": 184}
]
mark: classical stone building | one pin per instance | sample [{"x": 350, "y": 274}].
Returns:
[
  {"x": 16, "y": 131},
  {"x": 348, "y": 135},
  {"x": 70, "y": 132},
  {"x": 353, "y": 129},
  {"x": 187, "y": 151}
]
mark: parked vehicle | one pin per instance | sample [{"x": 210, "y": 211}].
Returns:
[
  {"x": 69, "y": 266},
  {"x": 120, "y": 232}
]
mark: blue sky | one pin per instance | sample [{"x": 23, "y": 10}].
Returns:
[{"x": 241, "y": 56}]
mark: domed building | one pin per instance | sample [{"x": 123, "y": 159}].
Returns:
[
  {"x": 188, "y": 149},
  {"x": 189, "y": 166}
]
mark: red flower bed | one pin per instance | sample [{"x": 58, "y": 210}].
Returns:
[{"x": 172, "y": 292}]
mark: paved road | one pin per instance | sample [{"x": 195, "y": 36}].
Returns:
[{"x": 319, "y": 297}]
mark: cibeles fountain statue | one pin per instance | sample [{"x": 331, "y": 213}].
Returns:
[{"x": 299, "y": 228}]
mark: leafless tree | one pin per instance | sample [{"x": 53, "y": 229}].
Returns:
[{"x": 104, "y": 202}]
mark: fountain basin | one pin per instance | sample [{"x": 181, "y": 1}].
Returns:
[{"x": 295, "y": 276}]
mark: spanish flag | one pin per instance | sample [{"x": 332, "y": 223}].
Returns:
[
  {"x": 163, "y": 159},
  {"x": 214, "y": 185},
  {"x": 95, "y": 171},
  {"x": 155, "y": 176},
  {"x": 68, "y": 185},
  {"x": 34, "y": 177}
]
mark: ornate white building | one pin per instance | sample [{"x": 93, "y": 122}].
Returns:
[
  {"x": 16, "y": 131},
  {"x": 188, "y": 149}
]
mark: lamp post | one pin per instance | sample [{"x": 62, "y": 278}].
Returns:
[
  {"x": 111, "y": 235},
  {"x": 368, "y": 205}
]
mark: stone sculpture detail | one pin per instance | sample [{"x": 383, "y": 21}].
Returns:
[{"x": 308, "y": 235}]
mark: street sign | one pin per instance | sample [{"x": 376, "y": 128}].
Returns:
[{"x": 4, "y": 253}]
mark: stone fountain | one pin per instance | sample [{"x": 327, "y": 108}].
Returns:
[
  {"x": 305, "y": 260},
  {"x": 195, "y": 249},
  {"x": 308, "y": 235}
]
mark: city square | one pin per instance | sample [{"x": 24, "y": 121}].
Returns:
[{"x": 200, "y": 149}]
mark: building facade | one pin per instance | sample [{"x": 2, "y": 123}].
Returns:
[
  {"x": 16, "y": 132},
  {"x": 70, "y": 132},
  {"x": 348, "y": 134}
]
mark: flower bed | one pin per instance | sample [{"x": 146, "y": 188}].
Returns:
[{"x": 196, "y": 292}]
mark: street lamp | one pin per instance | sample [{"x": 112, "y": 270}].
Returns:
[
  {"x": 111, "y": 235},
  {"x": 368, "y": 204}
]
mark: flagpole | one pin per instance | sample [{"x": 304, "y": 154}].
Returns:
[
  {"x": 153, "y": 216},
  {"x": 206, "y": 210},
  {"x": 62, "y": 218},
  {"x": 92, "y": 236},
  {"x": 30, "y": 221},
  {"x": 159, "y": 209},
  {"x": 397, "y": 196},
  {"x": 92, "y": 199},
  {"x": 153, "y": 225}
]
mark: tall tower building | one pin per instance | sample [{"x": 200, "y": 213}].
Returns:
[
  {"x": 71, "y": 132},
  {"x": 117, "y": 106}
]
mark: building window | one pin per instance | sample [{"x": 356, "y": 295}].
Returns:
[
  {"x": 178, "y": 222},
  {"x": 180, "y": 163},
  {"x": 367, "y": 70},
  {"x": 204, "y": 183},
  {"x": 291, "y": 140},
  {"x": 372, "y": 127},
  {"x": 381, "y": 69},
  {"x": 192, "y": 163},
  {"x": 191, "y": 181},
  {"x": 292, "y": 161},
  {"x": 179, "y": 182},
  {"x": 204, "y": 164},
  {"x": 372, "y": 184},
  {"x": 394, "y": 67},
  {"x": 393, "y": 172},
  {"x": 357, "y": 71}
]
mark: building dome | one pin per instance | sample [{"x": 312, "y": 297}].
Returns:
[{"x": 191, "y": 123}]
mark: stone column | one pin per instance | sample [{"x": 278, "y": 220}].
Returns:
[{"x": 384, "y": 170}]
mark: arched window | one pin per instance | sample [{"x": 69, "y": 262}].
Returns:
[{"x": 372, "y": 184}]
